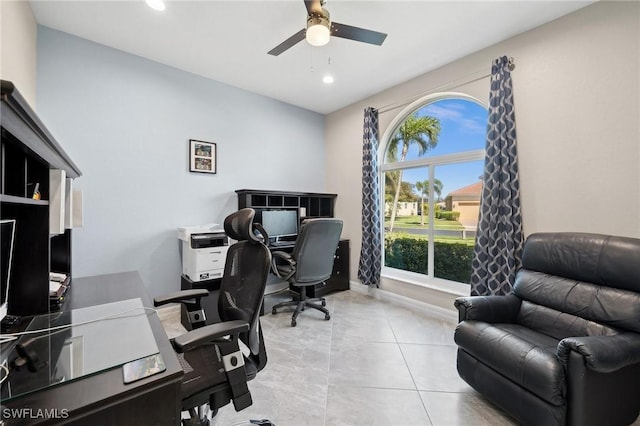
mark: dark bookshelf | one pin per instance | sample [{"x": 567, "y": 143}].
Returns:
[
  {"x": 27, "y": 152},
  {"x": 315, "y": 205}
]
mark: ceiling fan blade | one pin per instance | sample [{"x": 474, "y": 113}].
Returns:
[
  {"x": 357, "y": 34},
  {"x": 288, "y": 43},
  {"x": 313, "y": 6}
]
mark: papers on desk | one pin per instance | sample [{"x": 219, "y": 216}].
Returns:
[
  {"x": 58, "y": 285},
  {"x": 56, "y": 288},
  {"x": 58, "y": 277}
]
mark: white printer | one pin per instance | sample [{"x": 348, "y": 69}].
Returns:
[{"x": 204, "y": 251}]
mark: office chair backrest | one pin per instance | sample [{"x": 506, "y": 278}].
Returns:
[
  {"x": 244, "y": 280},
  {"x": 315, "y": 249}
]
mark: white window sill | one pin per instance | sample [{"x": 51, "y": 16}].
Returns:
[{"x": 420, "y": 280}]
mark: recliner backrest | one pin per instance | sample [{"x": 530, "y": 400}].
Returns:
[
  {"x": 593, "y": 277},
  {"x": 315, "y": 249}
]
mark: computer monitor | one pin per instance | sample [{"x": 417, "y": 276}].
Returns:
[
  {"x": 280, "y": 223},
  {"x": 7, "y": 231}
]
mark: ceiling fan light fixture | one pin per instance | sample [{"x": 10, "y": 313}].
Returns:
[
  {"x": 318, "y": 35},
  {"x": 318, "y": 29}
]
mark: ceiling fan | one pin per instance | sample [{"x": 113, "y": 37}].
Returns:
[{"x": 320, "y": 28}]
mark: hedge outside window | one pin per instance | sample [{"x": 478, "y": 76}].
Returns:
[{"x": 431, "y": 171}]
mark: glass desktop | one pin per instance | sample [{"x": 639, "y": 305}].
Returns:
[{"x": 99, "y": 338}]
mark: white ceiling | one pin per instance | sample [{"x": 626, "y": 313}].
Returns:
[{"x": 228, "y": 41}]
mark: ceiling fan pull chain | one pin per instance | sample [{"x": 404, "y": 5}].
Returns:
[{"x": 311, "y": 60}]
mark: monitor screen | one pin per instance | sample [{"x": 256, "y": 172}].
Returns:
[
  {"x": 280, "y": 223},
  {"x": 7, "y": 230}
]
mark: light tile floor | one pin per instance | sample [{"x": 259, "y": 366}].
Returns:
[{"x": 373, "y": 363}]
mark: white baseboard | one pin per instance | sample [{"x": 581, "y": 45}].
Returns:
[{"x": 426, "y": 308}]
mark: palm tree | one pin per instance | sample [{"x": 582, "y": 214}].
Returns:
[
  {"x": 423, "y": 187},
  {"x": 423, "y": 131}
]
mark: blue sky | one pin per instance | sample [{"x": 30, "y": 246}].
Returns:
[{"x": 463, "y": 128}]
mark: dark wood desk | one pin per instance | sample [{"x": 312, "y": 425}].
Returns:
[{"x": 103, "y": 398}]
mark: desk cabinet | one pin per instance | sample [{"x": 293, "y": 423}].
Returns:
[{"x": 28, "y": 154}]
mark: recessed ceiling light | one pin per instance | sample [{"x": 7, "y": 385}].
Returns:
[
  {"x": 156, "y": 4},
  {"x": 327, "y": 79}
]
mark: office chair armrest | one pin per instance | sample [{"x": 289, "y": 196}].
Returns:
[
  {"x": 179, "y": 296},
  {"x": 208, "y": 334},
  {"x": 287, "y": 258}
]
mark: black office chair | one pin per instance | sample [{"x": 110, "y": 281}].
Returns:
[
  {"x": 310, "y": 263},
  {"x": 216, "y": 370}
]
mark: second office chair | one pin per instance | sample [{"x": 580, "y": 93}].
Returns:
[{"x": 310, "y": 263}]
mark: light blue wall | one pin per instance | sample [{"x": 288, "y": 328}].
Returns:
[{"x": 126, "y": 122}]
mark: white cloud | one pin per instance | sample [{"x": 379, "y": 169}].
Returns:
[
  {"x": 473, "y": 126},
  {"x": 444, "y": 113},
  {"x": 455, "y": 113}
]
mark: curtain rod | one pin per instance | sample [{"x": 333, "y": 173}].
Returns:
[{"x": 467, "y": 79}]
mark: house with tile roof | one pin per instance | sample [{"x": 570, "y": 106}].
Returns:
[{"x": 466, "y": 200}]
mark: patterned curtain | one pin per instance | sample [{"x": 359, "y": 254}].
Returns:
[
  {"x": 498, "y": 249},
  {"x": 370, "y": 253}
]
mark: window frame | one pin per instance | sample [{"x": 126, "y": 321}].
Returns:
[{"x": 408, "y": 277}]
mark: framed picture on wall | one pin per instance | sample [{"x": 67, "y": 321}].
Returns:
[{"x": 202, "y": 156}]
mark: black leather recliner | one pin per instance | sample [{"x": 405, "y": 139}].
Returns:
[{"x": 564, "y": 346}]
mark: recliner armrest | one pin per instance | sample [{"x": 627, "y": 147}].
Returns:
[
  {"x": 603, "y": 354},
  {"x": 491, "y": 309},
  {"x": 179, "y": 296},
  {"x": 207, "y": 334}
]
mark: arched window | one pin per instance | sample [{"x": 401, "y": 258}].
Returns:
[{"x": 431, "y": 173}]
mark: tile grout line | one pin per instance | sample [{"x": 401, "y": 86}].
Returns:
[
  {"x": 333, "y": 324},
  {"x": 407, "y": 365}
]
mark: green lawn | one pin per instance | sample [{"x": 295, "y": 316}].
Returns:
[
  {"x": 440, "y": 239},
  {"x": 414, "y": 222},
  {"x": 405, "y": 222}
]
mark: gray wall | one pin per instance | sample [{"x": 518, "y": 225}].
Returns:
[{"x": 126, "y": 122}]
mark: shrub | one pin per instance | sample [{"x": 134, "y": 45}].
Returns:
[
  {"x": 448, "y": 215},
  {"x": 452, "y": 260},
  {"x": 406, "y": 253}
]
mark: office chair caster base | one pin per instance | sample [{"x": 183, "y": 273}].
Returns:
[
  {"x": 324, "y": 302},
  {"x": 327, "y": 317},
  {"x": 293, "y": 323}
]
